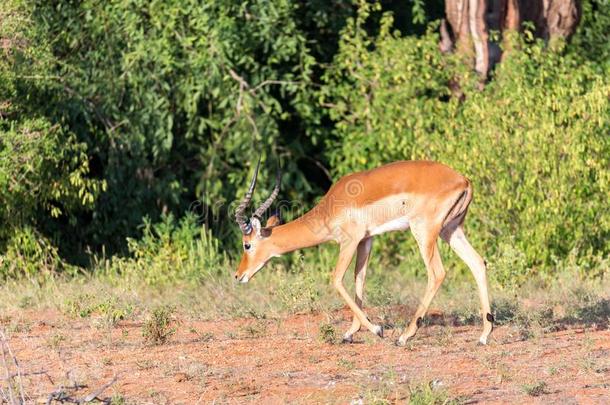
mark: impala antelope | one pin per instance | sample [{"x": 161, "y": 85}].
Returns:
[{"x": 426, "y": 197}]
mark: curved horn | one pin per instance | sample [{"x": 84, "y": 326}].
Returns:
[
  {"x": 242, "y": 220},
  {"x": 276, "y": 190}
]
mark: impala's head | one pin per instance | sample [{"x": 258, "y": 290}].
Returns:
[{"x": 258, "y": 248}]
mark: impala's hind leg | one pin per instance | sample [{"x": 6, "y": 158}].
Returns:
[
  {"x": 363, "y": 253},
  {"x": 454, "y": 235},
  {"x": 426, "y": 240}
]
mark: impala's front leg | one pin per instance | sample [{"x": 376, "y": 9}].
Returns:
[
  {"x": 362, "y": 259},
  {"x": 346, "y": 254}
]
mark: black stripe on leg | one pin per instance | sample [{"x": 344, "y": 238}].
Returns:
[
  {"x": 451, "y": 212},
  {"x": 419, "y": 322},
  {"x": 490, "y": 318}
]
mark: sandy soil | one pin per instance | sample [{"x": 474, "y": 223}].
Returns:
[{"x": 285, "y": 360}]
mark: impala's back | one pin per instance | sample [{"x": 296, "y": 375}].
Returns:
[{"x": 391, "y": 197}]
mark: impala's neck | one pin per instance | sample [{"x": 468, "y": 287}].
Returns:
[{"x": 305, "y": 231}]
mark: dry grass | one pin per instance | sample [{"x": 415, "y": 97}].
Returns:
[{"x": 532, "y": 310}]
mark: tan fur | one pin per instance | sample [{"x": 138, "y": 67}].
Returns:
[{"x": 428, "y": 197}]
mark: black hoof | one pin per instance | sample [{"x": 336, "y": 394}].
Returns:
[
  {"x": 347, "y": 340},
  {"x": 399, "y": 343},
  {"x": 379, "y": 331}
]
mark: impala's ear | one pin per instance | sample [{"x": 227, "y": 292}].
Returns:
[{"x": 273, "y": 220}]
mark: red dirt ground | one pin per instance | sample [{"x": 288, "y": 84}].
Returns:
[{"x": 284, "y": 360}]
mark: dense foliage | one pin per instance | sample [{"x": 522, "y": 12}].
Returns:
[
  {"x": 126, "y": 112},
  {"x": 535, "y": 142}
]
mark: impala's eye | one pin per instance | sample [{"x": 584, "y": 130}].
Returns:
[{"x": 247, "y": 246}]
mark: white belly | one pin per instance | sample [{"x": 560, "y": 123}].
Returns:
[{"x": 397, "y": 224}]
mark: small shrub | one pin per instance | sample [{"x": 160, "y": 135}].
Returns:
[
  {"x": 31, "y": 255},
  {"x": 327, "y": 333},
  {"x": 465, "y": 316},
  {"x": 206, "y": 337},
  {"x": 429, "y": 394},
  {"x": 81, "y": 306},
  {"x": 505, "y": 310},
  {"x": 85, "y": 305},
  {"x": 596, "y": 311},
  {"x": 118, "y": 399},
  {"x": 509, "y": 267},
  {"x": 111, "y": 313},
  {"x": 387, "y": 388},
  {"x": 255, "y": 329},
  {"x": 55, "y": 341},
  {"x": 202, "y": 336},
  {"x": 26, "y": 302},
  {"x": 535, "y": 389},
  {"x": 445, "y": 337},
  {"x": 378, "y": 294},
  {"x": 20, "y": 327},
  {"x": 346, "y": 364},
  {"x": 302, "y": 295},
  {"x": 158, "y": 328}
]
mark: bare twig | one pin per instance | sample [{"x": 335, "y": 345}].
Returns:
[
  {"x": 10, "y": 398},
  {"x": 320, "y": 166},
  {"x": 238, "y": 78},
  {"x": 7, "y": 352},
  {"x": 13, "y": 396},
  {"x": 62, "y": 394},
  {"x": 95, "y": 394},
  {"x": 244, "y": 86},
  {"x": 26, "y": 374},
  {"x": 268, "y": 82}
]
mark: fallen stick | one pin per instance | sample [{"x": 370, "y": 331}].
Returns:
[
  {"x": 6, "y": 351},
  {"x": 96, "y": 393}
]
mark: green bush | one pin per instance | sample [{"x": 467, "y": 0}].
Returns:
[
  {"x": 111, "y": 112},
  {"x": 534, "y": 142},
  {"x": 591, "y": 39},
  {"x": 44, "y": 169},
  {"x": 169, "y": 251},
  {"x": 41, "y": 168},
  {"x": 29, "y": 254},
  {"x": 176, "y": 99}
]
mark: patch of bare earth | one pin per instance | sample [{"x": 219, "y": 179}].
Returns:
[{"x": 284, "y": 360}]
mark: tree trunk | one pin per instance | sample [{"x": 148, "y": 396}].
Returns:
[
  {"x": 471, "y": 21},
  {"x": 552, "y": 18}
]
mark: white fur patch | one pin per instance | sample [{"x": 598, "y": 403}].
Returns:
[
  {"x": 398, "y": 224},
  {"x": 248, "y": 275}
]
